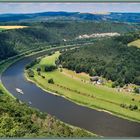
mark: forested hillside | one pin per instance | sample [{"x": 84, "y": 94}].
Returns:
[
  {"x": 110, "y": 58},
  {"x": 53, "y": 32}
]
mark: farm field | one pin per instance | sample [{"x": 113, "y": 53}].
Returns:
[
  {"x": 73, "y": 87},
  {"x": 11, "y": 27},
  {"x": 135, "y": 43}
]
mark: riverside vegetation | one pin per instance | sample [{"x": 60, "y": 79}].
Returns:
[
  {"x": 46, "y": 74},
  {"x": 19, "y": 120}
]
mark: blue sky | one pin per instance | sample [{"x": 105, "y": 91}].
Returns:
[{"x": 70, "y": 7}]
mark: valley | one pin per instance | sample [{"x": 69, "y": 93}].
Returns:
[
  {"x": 69, "y": 74},
  {"x": 56, "y": 105},
  {"x": 80, "y": 91}
]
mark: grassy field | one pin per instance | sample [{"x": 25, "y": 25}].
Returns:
[
  {"x": 1, "y": 29},
  {"x": 135, "y": 43},
  {"x": 49, "y": 60},
  {"x": 76, "y": 88},
  {"x": 12, "y": 27}
]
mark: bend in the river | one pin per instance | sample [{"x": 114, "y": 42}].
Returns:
[{"x": 99, "y": 122}]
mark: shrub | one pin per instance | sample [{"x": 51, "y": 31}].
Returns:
[
  {"x": 133, "y": 107},
  {"x": 137, "y": 90},
  {"x": 51, "y": 81},
  {"x": 133, "y": 99},
  {"x": 115, "y": 84},
  {"x": 38, "y": 69},
  {"x": 137, "y": 80},
  {"x": 32, "y": 64},
  {"x": 50, "y": 68},
  {"x": 30, "y": 73},
  {"x": 123, "y": 105},
  {"x": 27, "y": 66},
  {"x": 43, "y": 76},
  {"x": 61, "y": 70},
  {"x": 39, "y": 73}
]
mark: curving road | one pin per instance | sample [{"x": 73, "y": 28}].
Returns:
[{"x": 98, "y": 122}]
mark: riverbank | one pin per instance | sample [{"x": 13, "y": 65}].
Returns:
[
  {"x": 75, "y": 131},
  {"x": 96, "y": 97},
  {"x": 98, "y": 122},
  {"x": 15, "y": 113}
]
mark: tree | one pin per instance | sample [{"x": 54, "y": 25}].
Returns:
[
  {"x": 49, "y": 68},
  {"x": 38, "y": 69},
  {"x": 51, "y": 81},
  {"x": 137, "y": 80},
  {"x": 30, "y": 73},
  {"x": 137, "y": 90}
]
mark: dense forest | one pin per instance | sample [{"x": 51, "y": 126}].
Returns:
[
  {"x": 110, "y": 58},
  {"x": 18, "y": 120},
  {"x": 40, "y": 34}
]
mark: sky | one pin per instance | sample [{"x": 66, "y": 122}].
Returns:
[{"x": 69, "y": 7}]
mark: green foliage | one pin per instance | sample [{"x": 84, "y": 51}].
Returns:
[
  {"x": 109, "y": 58},
  {"x": 137, "y": 90},
  {"x": 30, "y": 73},
  {"x": 32, "y": 63},
  {"x": 38, "y": 69},
  {"x": 127, "y": 38},
  {"x": 137, "y": 80},
  {"x": 40, "y": 34},
  {"x": 82, "y": 92},
  {"x": 131, "y": 107},
  {"x": 50, "y": 81},
  {"x": 18, "y": 120},
  {"x": 6, "y": 48},
  {"x": 50, "y": 68}
]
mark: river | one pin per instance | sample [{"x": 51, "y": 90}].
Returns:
[{"x": 99, "y": 122}]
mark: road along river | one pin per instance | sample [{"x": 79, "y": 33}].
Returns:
[{"x": 99, "y": 122}]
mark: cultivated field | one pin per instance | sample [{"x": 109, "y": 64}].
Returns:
[
  {"x": 12, "y": 27},
  {"x": 135, "y": 43},
  {"x": 74, "y": 87}
]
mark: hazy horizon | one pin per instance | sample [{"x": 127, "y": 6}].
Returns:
[{"x": 19, "y": 8}]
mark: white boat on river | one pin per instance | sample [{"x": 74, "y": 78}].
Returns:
[{"x": 19, "y": 90}]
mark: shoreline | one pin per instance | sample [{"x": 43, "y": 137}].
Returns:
[{"x": 96, "y": 108}]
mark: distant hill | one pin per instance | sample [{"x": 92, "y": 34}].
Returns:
[
  {"x": 40, "y": 34},
  {"x": 118, "y": 17}
]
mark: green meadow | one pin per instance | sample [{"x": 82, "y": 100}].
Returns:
[
  {"x": 1, "y": 29},
  {"x": 79, "y": 89}
]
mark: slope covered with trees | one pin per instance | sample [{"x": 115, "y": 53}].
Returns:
[
  {"x": 110, "y": 58},
  {"x": 18, "y": 120},
  {"x": 40, "y": 34}
]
